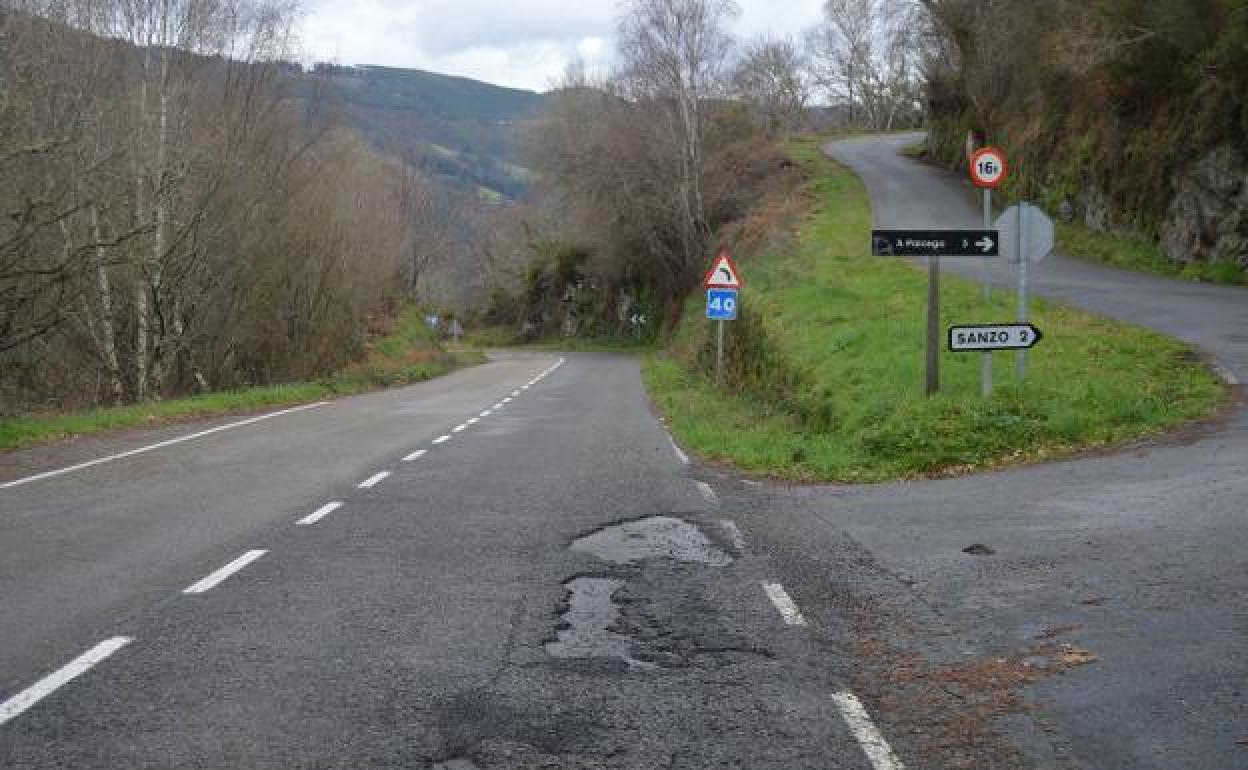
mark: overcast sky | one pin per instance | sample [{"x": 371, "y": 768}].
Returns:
[{"x": 520, "y": 43}]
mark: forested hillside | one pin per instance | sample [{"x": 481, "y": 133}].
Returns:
[
  {"x": 457, "y": 129},
  {"x": 1125, "y": 114}
]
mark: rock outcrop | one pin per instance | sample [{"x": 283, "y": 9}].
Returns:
[{"x": 1208, "y": 216}]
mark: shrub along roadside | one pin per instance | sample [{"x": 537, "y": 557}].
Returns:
[
  {"x": 408, "y": 354},
  {"x": 826, "y": 365}
]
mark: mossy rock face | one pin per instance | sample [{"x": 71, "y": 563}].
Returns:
[{"x": 1209, "y": 214}]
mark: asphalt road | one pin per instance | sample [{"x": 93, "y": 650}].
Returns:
[
  {"x": 433, "y": 620},
  {"x": 543, "y": 580}
]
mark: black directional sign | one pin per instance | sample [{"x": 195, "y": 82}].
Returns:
[
  {"x": 935, "y": 243},
  {"x": 993, "y": 337}
]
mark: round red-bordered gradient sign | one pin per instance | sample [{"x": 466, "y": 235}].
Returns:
[{"x": 989, "y": 168}]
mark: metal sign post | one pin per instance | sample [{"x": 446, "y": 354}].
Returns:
[
  {"x": 986, "y": 367},
  {"x": 719, "y": 354},
  {"x": 1023, "y": 260},
  {"x": 989, "y": 169},
  {"x": 1027, "y": 236},
  {"x": 935, "y": 244},
  {"x": 933, "y": 325}
]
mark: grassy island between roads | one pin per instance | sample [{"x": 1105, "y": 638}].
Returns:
[
  {"x": 824, "y": 379},
  {"x": 408, "y": 354}
]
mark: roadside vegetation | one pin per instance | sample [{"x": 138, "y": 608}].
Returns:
[
  {"x": 407, "y": 353},
  {"x": 824, "y": 370},
  {"x": 1135, "y": 252}
]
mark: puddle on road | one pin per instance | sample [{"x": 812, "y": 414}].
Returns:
[
  {"x": 656, "y": 537},
  {"x": 591, "y": 611}
]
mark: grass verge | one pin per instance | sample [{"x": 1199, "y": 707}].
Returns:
[
  {"x": 828, "y": 384},
  {"x": 407, "y": 355},
  {"x": 1140, "y": 254}
]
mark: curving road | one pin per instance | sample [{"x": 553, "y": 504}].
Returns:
[
  {"x": 1140, "y": 558},
  {"x": 906, "y": 194}
]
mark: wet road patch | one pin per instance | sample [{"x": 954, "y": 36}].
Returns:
[
  {"x": 654, "y": 537},
  {"x": 586, "y": 624}
]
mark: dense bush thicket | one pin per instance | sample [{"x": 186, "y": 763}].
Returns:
[
  {"x": 1106, "y": 104},
  {"x": 173, "y": 220}
]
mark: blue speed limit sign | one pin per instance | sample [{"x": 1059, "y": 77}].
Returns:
[{"x": 721, "y": 304}]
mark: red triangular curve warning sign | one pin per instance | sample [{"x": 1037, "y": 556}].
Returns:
[{"x": 724, "y": 273}]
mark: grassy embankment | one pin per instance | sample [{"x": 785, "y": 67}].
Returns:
[
  {"x": 408, "y": 354},
  {"x": 829, "y": 382}
]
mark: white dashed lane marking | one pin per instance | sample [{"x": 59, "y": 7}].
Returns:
[
  {"x": 684, "y": 458},
  {"x": 319, "y": 514},
  {"x": 708, "y": 493},
  {"x": 419, "y": 453},
  {"x": 734, "y": 533},
  {"x": 459, "y": 428},
  {"x": 373, "y": 480},
  {"x": 216, "y": 578},
  {"x": 441, "y": 439},
  {"x": 784, "y": 603},
  {"x": 865, "y": 732},
  {"x": 54, "y": 681}
]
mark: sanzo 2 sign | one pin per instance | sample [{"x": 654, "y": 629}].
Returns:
[{"x": 980, "y": 337}]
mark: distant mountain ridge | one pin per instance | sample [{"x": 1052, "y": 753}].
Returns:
[{"x": 456, "y": 128}]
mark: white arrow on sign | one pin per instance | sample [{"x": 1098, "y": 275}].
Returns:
[
  {"x": 993, "y": 337},
  {"x": 985, "y": 244}
]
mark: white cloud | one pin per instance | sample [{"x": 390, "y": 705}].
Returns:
[{"x": 525, "y": 44}]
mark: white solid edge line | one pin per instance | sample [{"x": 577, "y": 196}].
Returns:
[
  {"x": 515, "y": 393},
  {"x": 487, "y": 413},
  {"x": 707, "y": 492},
  {"x": 373, "y": 480},
  {"x": 154, "y": 447},
  {"x": 441, "y": 439},
  {"x": 506, "y": 400},
  {"x": 50, "y": 683},
  {"x": 734, "y": 532},
  {"x": 864, "y": 730},
  {"x": 684, "y": 458},
  {"x": 215, "y": 579},
  {"x": 419, "y": 453},
  {"x": 474, "y": 420},
  {"x": 784, "y": 604},
  {"x": 319, "y": 514}
]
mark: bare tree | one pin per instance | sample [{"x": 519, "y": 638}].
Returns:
[
  {"x": 771, "y": 77},
  {"x": 866, "y": 55},
  {"x": 673, "y": 54}
]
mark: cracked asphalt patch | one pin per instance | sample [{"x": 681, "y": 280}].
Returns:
[{"x": 653, "y": 659}]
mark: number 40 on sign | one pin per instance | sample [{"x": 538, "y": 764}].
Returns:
[{"x": 721, "y": 304}]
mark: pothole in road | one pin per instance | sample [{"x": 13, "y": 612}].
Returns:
[
  {"x": 654, "y": 537},
  {"x": 591, "y": 612}
]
